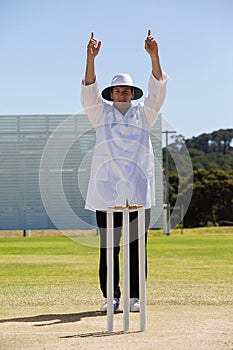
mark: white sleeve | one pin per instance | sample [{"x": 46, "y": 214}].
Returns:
[
  {"x": 92, "y": 103},
  {"x": 156, "y": 95}
]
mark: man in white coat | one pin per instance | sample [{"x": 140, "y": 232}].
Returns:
[{"x": 122, "y": 169}]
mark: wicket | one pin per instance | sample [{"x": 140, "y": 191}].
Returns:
[{"x": 126, "y": 271}]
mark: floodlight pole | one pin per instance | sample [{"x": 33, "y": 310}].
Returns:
[{"x": 167, "y": 204}]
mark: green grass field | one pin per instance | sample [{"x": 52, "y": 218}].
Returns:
[{"x": 193, "y": 268}]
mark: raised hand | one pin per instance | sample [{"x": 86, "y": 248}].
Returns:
[
  {"x": 151, "y": 45},
  {"x": 93, "y": 47}
]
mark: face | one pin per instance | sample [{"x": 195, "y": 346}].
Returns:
[{"x": 122, "y": 94}]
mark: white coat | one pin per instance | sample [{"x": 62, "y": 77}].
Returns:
[{"x": 122, "y": 168}]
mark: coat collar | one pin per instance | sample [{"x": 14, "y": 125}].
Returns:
[{"x": 118, "y": 115}]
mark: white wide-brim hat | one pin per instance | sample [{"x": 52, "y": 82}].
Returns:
[{"x": 122, "y": 80}]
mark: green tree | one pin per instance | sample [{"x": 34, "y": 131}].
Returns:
[{"x": 212, "y": 199}]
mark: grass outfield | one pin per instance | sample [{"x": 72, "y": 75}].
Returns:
[{"x": 193, "y": 268}]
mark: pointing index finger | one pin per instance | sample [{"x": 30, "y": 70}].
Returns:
[{"x": 149, "y": 32}]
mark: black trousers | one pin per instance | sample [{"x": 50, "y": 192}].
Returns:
[{"x": 101, "y": 218}]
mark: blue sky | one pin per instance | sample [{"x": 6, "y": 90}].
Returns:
[{"x": 43, "y": 53}]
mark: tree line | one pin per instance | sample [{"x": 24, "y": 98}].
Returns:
[{"x": 211, "y": 178}]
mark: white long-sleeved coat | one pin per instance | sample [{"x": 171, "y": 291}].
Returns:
[{"x": 123, "y": 161}]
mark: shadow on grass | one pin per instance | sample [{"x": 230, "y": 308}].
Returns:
[
  {"x": 52, "y": 319},
  {"x": 98, "y": 334}
]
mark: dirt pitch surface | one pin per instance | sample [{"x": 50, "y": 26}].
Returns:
[{"x": 177, "y": 327}]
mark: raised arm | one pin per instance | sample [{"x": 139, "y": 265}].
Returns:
[
  {"x": 93, "y": 49},
  {"x": 151, "y": 47}
]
